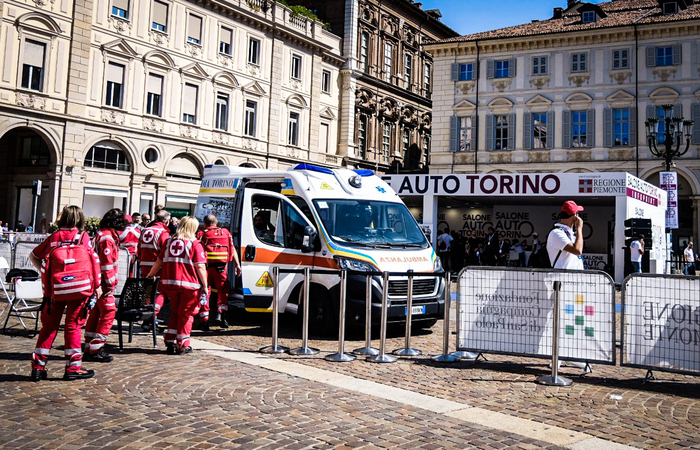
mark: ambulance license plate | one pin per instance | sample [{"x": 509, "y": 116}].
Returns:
[{"x": 416, "y": 310}]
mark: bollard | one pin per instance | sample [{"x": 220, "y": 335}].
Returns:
[
  {"x": 305, "y": 349},
  {"x": 367, "y": 350},
  {"x": 461, "y": 354},
  {"x": 555, "y": 379},
  {"x": 446, "y": 357},
  {"x": 407, "y": 350},
  {"x": 274, "y": 348},
  {"x": 341, "y": 356},
  {"x": 382, "y": 357}
]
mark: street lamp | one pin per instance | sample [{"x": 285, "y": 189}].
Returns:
[{"x": 674, "y": 130}]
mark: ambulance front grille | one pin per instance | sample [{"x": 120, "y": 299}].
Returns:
[{"x": 421, "y": 287}]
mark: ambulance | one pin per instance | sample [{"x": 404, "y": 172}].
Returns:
[{"x": 322, "y": 218}]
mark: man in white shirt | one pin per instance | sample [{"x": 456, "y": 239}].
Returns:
[
  {"x": 444, "y": 242},
  {"x": 689, "y": 256},
  {"x": 636, "y": 252},
  {"x": 565, "y": 241}
]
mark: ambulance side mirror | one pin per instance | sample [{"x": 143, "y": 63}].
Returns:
[{"x": 308, "y": 239}]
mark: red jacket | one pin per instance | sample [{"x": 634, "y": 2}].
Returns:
[
  {"x": 222, "y": 253},
  {"x": 152, "y": 242},
  {"x": 129, "y": 238},
  {"x": 180, "y": 258},
  {"x": 107, "y": 247}
]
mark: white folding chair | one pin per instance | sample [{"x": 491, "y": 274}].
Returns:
[
  {"x": 25, "y": 290},
  {"x": 4, "y": 267}
]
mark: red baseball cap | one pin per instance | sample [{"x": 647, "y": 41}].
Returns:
[{"x": 571, "y": 208}]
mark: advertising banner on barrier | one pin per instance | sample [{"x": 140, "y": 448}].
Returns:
[
  {"x": 662, "y": 331},
  {"x": 507, "y": 311}
]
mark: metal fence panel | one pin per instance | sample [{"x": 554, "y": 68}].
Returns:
[
  {"x": 123, "y": 270},
  {"x": 661, "y": 322},
  {"x": 22, "y": 251},
  {"x": 509, "y": 311},
  {"x": 6, "y": 252}
]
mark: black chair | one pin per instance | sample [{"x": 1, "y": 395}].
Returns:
[{"x": 137, "y": 302}]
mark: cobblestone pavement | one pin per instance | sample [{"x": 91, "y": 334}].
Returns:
[{"x": 146, "y": 399}]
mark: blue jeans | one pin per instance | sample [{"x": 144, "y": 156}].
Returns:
[
  {"x": 636, "y": 267},
  {"x": 689, "y": 269}
]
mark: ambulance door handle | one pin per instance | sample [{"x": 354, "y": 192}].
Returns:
[{"x": 250, "y": 253}]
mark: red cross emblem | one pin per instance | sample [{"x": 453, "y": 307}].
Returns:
[
  {"x": 176, "y": 248},
  {"x": 148, "y": 236}
]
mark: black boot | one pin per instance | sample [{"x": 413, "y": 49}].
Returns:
[
  {"x": 223, "y": 323},
  {"x": 82, "y": 374},
  {"x": 101, "y": 356},
  {"x": 170, "y": 349},
  {"x": 38, "y": 375}
]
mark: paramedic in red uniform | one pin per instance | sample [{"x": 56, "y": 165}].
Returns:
[
  {"x": 218, "y": 243},
  {"x": 71, "y": 223},
  {"x": 153, "y": 239},
  {"x": 184, "y": 281},
  {"x": 129, "y": 240},
  {"x": 106, "y": 244}
]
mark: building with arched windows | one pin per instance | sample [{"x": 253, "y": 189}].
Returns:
[{"x": 122, "y": 103}]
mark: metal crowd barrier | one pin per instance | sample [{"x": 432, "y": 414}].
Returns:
[
  {"x": 661, "y": 323},
  {"x": 6, "y": 251}
]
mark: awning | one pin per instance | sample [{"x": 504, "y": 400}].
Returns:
[
  {"x": 189, "y": 200},
  {"x": 106, "y": 193}
]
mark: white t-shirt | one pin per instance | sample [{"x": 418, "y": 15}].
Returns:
[
  {"x": 447, "y": 239},
  {"x": 558, "y": 238},
  {"x": 689, "y": 255},
  {"x": 635, "y": 256}
]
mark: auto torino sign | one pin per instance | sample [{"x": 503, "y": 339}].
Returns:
[{"x": 510, "y": 184}]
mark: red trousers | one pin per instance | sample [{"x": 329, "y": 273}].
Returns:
[
  {"x": 100, "y": 322},
  {"x": 160, "y": 298},
  {"x": 50, "y": 321},
  {"x": 218, "y": 284},
  {"x": 185, "y": 305}
]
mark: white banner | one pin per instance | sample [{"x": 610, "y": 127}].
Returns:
[
  {"x": 669, "y": 183},
  {"x": 663, "y": 330},
  {"x": 508, "y": 311}
]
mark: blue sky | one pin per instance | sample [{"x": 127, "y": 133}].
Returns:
[{"x": 472, "y": 16}]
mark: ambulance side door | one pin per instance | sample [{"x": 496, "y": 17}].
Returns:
[{"x": 272, "y": 234}]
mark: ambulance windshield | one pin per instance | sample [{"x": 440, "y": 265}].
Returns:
[{"x": 368, "y": 223}]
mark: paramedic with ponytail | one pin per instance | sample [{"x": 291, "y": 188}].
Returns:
[
  {"x": 106, "y": 244},
  {"x": 70, "y": 273},
  {"x": 218, "y": 243},
  {"x": 184, "y": 281}
]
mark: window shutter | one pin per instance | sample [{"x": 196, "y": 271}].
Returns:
[
  {"x": 566, "y": 129},
  {"x": 489, "y": 69},
  {"x": 160, "y": 13},
  {"x": 608, "y": 127},
  {"x": 651, "y": 56},
  {"x": 189, "y": 100},
  {"x": 454, "y": 133},
  {"x": 155, "y": 84},
  {"x": 651, "y": 112},
  {"x": 489, "y": 132},
  {"x": 511, "y": 131},
  {"x": 115, "y": 73},
  {"x": 512, "y": 68},
  {"x": 590, "y": 128},
  {"x": 633, "y": 127},
  {"x": 550, "y": 130},
  {"x": 544, "y": 60},
  {"x": 472, "y": 142},
  {"x": 121, "y": 4},
  {"x": 677, "y": 110},
  {"x": 676, "y": 54},
  {"x": 455, "y": 72},
  {"x": 696, "y": 125},
  {"x": 527, "y": 131},
  {"x": 34, "y": 53},
  {"x": 194, "y": 24}
]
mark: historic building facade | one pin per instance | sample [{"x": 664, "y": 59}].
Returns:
[
  {"x": 572, "y": 94},
  {"x": 121, "y": 103},
  {"x": 386, "y": 85}
]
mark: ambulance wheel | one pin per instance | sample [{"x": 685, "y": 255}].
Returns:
[{"x": 322, "y": 318}]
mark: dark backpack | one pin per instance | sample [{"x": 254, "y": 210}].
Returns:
[{"x": 25, "y": 274}]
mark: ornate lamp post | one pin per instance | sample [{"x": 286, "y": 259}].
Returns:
[{"x": 674, "y": 130}]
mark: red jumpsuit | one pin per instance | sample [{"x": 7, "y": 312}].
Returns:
[
  {"x": 129, "y": 240},
  {"x": 102, "y": 315},
  {"x": 217, "y": 275},
  {"x": 180, "y": 282},
  {"x": 52, "y": 313},
  {"x": 152, "y": 241}
]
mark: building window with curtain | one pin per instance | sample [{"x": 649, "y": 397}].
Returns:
[
  {"x": 426, "y": 80},
  {"x": 386, "y": 140},
  {"x": 251, "y": 109},
  {"x": 621, "y": 127},
  {"x": 539, "y": 65},
  {"x": 221, "y": 119},
  {"x": 296, "y": 67},
  {"x": 154, "y": 95},
  {"x": 189, "y": 103},
  {"x": 579, "y": 128},
  {"x": 33, "y": 65},
  {"x": 160, "y": 17},
  {"x": 407, "y": 70},
  {"x": 194, "y": 29},
  {"x": 293, "y": 135},
  {"x": 115, "y": 85},
  {"x": 388, "y": 58},
  {"x": 539, "y": 130},
  {"x": 326, "y": 82},
  {"x": 364, "y": 46},
  {"x": 120, "y": 8},
  {"x": 33, "y": 152},
  {"x": 502, "y": 69},
  {"x": 500, "y": 132},
  {"x": 324, "y": 137},
  {"x": 254, "y": 51},
  {"x": 101, "y": 157},
  {"x": 225, "y": 41},
  {"x": 405, "y": 143},
  {"x": 362, "y": 136},
  {"x": 620, "y": 59},
  {"x": 579, "y": 62},
  {"x": 465, "y": 134}
]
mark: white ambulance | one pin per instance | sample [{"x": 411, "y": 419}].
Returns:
[{"x": 320, "y": 218}]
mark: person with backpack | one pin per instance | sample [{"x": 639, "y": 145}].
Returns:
[
  {"x": 184, "y": 281},
  {"x": 152, "y": 241},
  {"x": 218, "y": 243},
  {"x": 106, "y": 244},
  {"x": 70, "y": 272}
]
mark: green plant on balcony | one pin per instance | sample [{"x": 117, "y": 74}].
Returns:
[{"x": 305, "y": 12}]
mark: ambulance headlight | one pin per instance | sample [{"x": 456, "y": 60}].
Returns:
[
  {"x": 354, "y": 264},
  {"x": 437, "y": 265}
]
